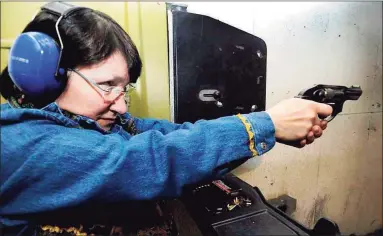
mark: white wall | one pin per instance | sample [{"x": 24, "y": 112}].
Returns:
[{"x": 340, "y": 175}]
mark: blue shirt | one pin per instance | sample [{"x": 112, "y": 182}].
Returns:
[{"x": 51, "y": 161}]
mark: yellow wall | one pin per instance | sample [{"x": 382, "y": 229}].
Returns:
[{"x": 145, "y": 23}]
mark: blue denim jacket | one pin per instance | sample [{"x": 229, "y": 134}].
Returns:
[{"x": 50, "y": 161}]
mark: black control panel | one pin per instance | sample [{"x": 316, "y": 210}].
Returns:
[{"x": 229, "y": 206}]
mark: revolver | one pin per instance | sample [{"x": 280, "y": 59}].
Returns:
[{"x": 333, "y": 95}]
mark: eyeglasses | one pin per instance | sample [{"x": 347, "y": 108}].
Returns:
[{"x": 110, "y": 92}]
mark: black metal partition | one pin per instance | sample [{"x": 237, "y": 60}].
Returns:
[{"x": 215, "y": 69}]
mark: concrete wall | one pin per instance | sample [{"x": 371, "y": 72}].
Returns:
[{"x": 340, "y": 175}]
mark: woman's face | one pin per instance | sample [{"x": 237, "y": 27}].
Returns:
[{"x": 82, "y": 98}]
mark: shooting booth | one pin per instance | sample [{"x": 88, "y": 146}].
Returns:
[{"x": 218, "y": 70}]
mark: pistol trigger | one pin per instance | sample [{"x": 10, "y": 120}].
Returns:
[
  {"x": 322, "y": 117},
  {"x": 330, "y": 118},
  {"x": 335, "y": 112}
]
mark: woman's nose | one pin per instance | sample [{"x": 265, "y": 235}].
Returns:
[{"x": 119, "y": 105}]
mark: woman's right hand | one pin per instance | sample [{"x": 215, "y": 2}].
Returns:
[{"x": 296, "y": 121}]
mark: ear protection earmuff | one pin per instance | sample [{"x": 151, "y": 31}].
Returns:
[{"x": 34, "y": 58}]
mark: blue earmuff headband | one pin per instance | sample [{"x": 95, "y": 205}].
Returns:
[{"x": 34, "y": 58}]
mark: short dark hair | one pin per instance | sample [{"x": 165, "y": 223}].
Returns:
[{"x": 89, "y": 37}]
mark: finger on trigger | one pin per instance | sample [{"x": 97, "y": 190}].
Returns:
[{"x": 324, "y": 109}]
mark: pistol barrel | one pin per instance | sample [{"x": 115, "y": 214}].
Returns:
[{"x": 353, "y": 93}]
